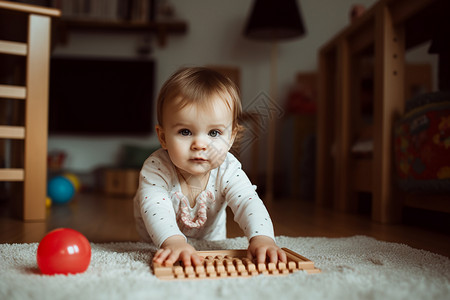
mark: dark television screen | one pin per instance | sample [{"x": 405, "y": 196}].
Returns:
[{"x": 93, "y": 96}]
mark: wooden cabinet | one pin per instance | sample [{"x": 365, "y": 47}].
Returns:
[
  {"x": 379, "y": 38},
  {"x": 121, "y": 182}
]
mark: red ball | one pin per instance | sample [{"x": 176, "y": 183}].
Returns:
[{"x": 63, "y": 251}]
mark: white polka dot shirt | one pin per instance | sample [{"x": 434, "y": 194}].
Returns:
[{"x": 161, "y": 210}]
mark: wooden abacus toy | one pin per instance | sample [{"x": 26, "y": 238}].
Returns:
[{"x": 233, "y": 263}]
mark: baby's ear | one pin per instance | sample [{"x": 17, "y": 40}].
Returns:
[
  {"x": 233, "y": 137},
  {"x": 161, "y": 136}
]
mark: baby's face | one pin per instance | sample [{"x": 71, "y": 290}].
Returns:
[{"x": 197, "y": 139}]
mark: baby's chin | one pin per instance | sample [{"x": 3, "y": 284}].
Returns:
[{"x": 203, "y": 168}]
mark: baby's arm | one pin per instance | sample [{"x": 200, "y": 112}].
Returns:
[
  {"x": 155, "y": 209},
  {"x": 253, "y": 217},
  {"x": 176, "y": 248}
]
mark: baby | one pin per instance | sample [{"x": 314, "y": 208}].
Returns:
[{"x": 186, "y": 185}]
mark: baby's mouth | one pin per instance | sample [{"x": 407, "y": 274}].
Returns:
[{"x": 199, "y": 159}]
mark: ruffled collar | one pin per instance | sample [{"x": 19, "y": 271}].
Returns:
[{"x": 193, "y": 217}]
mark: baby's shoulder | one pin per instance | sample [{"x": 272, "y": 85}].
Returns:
[
  {"x": 230, "y": 168},
  {"x": 158, "y": 161},
  {"x": 158, "y": 157},
  {"x": 231, "y": 163}
]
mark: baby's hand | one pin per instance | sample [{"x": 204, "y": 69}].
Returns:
[
  {"x": 176, "y": 248},
  {"x": 262, "y": 247}
]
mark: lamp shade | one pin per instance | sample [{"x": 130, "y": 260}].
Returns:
[{"x": 274, "y": 20}]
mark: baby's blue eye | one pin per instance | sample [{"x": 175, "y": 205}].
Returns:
[
  {"x": 185, "y": 132},
  {"x": 214, "y": 133}
]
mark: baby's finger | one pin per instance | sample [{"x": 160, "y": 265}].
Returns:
[
  {"x": 196, "y": 260},
  {"x": 157, "y": 253},
  {"x": 161, "y": 255},
  {"x": 185, "y": 257},
  {"x": 260, "y": 255},
  {"x": 282, "y": 255},
  {"x": 249, "y": 255},
  {"x": 172, "y": 258},
  {"x": 272, "y": 254}
]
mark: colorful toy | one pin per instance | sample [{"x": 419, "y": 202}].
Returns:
[
  {"x": 48, "y": 202},
  {"x": 63, "y": 251},
  {"x": 74, "y": 179},
  {"x": 234, "y": 263},
  {"x": 60, "y": 190},
  {"x": 422, "y": 144}
]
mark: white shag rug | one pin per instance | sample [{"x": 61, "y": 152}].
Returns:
[{"x": 357, "y": 267}]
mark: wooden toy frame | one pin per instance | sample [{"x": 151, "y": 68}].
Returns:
[{"x": 233, "y": 263}]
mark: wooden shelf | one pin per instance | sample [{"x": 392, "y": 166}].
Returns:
[
  {"x": 12, "y": 174},
  {"x": 29, "y": 9},
  {"x": 161, "y": 28},
  {"x": 170, "y": 26},
  {"x": 27, "y": 32},
  {"x": 383, "y": 33},
  {"x": 361, "y": 172},
  {"x": 12, "y": 132},
  {"x": 13, "y": 48},
  {"x": 12, "y": 91}
]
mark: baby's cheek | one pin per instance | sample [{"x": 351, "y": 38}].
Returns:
[{"x": 216, "y": 156}]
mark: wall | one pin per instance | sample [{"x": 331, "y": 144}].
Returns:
[{"x": 214, "y": 37}]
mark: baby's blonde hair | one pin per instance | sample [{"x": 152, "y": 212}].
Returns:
[{"x": 197, "y": 85}]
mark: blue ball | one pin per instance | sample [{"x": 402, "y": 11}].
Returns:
[{"x": 60, "y": 190}]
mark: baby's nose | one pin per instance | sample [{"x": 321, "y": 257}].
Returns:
[{"x": 199, "y": 143}]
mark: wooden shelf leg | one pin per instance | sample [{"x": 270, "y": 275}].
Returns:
[
  {"x": 343, "y": 142},
  {"x": 389, "y": 105},
  {"x": 36, "y": 111}
]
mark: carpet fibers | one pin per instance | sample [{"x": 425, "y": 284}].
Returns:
[{"x": 356, "y": 267}]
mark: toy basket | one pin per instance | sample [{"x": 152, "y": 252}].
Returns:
[{"x": 422, "y": 144}]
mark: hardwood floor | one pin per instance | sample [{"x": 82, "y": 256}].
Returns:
[{"x": 109, "y": 219}]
